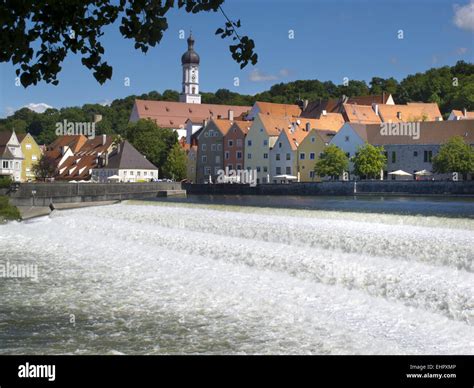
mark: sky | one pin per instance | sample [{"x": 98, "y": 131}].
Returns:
[{"x": 295, "y": 39}]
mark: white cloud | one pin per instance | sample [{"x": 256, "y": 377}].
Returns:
[
  {"x": 9, "y": 111},
  {"x": 38, "y": 108},
  {"x": 461, "y": 50},
  {"x": 105, "y": 102},
  {"x": 259, "y": 76},
  {"x": 464, "y": 16}
]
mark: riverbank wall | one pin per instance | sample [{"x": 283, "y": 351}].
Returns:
[{"x": 425, "y": 188}]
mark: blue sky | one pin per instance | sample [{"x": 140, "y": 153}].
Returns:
[{"x": 332, "y": 39}]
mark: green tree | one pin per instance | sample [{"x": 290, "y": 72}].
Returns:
[
  {"x": 49, "y": 32},
  {"x": 454, "y": 156},
  {"x": 369, "y": 161},
  {"x": 333, "y": 162},
  {"x": 153, "y": 142},
  {"x": 175, "y": 166},
  {"x": 45, "y": 168}
]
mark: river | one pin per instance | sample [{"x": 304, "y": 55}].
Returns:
[{"x": 192, "y": 277}]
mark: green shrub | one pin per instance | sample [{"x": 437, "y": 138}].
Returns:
[
  {"x": 5, "y": 182},
  {"x": 7, "y": 211}
]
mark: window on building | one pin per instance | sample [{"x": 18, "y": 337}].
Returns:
[
  {"x": 288, "y": 156},
  {"x": 311, "y": 174},
  {"x": 279, "y": 144},
  {"x": 313, "y": 139},
  {"x": 219, "y": 147},
  {"x": 427, "y": 156},
  {"x": 346, "y": 138},
  {"x": 230, "y": 143},
  {"x": 207, "y": 171},
  {"x": 5, "y": 164},
  {"x": 265, "y": 169},
  {"x": 249, "y": 156},
  {"x": 138, "y": 173},
  {"x": 213, "y": 147},
  {"x": 265, "y": 156},
  {"x": 258, "y": 168},
  {"x": 277, "y": 157},
  {"x": 239, "y": 167},
  {"x": 34, "y": 157},
  {"x": 239, "y": 143},
  {"x": 311, "y": 155},
  {"x": 239, "y": 155},
  {"x": 278, "y": 170},
  {"x": 302, "y": 156},
  {"x": 394, "y": 157},
  {"x": 249, "y": 143},
  {"x": 415, "y": 153},
  {"x": 131, "y": 172},
  {"x": 218, "y": 158},
  {"x": 204, "y": 158},
  {"x": 216, "y": 170},
  {"x": 229, "y": 166},
  {"x": 226, "y": 155},
  {"x": 265, "y": 142},
  {"x": 288, "y": 170},
  {"x": 204, "y": 147},
  {"x": 28, "y": 146}
]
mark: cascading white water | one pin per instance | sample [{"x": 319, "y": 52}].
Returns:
[{"x": 175, "y": 278}]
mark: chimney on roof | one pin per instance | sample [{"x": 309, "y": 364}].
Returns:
[
  {"x": 383, "y": 97},
  {"x": 464, "y": 112},
  {"x": 305, "y": 104},
  {"x": 104, "y": 139},
  {"x": 204, "y": 123},
  {"x": 308, "y": 126},
  {"x": 399, "y": 115},
  {"x": 324, "y": 113},
  {"x": 231, "y": 115}
]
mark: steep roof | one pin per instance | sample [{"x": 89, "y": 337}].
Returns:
[
  {"x": 411, "y": 112},
  {"x": 335, "y": 105},
  {"x": 295, "y": 137},
  {"x": 97, "y": 145},
  {"x": 5, "y": 137},
  {"x": 171, "y": 114},
  {"x": 461, "y": 116},
  {"x": 273, "y": 125},
  {"x": 127, "y": 157},
  {"x": 273, "y": 109},
  {"x": 329, "y": 121},
  {"x": 362, "y": 114},
  {"x": 74, "y": 142},
  {"x": 431, "y": 132}
]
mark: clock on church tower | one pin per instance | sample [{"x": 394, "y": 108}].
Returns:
[{"x": 190, "y": 64}]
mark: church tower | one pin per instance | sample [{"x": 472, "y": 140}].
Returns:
[{"x": 190, "y": 62}]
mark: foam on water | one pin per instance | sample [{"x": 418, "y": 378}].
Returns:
[{"x": 179, "y": 279}]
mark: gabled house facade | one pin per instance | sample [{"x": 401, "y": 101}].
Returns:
[
  {"x": 234, "y": 145},
  {"x": 309, "y": 152},
  {"x": 128, "y": 164},
  {"x": 32, "y": 154},
  {"x": 11, "y": 156},
  {"x": 283, "y": 155},
  {"x": 260, "y": 139},
  {"x": 210, "y": 151}
]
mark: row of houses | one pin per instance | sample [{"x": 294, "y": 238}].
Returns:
[
  {"x": 18, "y": 154},
  {"x": 276, "y": 140},
  {"x": 75, "y": 158}
]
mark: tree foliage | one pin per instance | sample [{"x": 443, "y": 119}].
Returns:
[
  {"x": 38, "y": 35},
  {"x": 150, "y": 140},
  {"x": 175, "y": 166},
  {"x": 44, "y": 168},
  {"x": 454, "y": 156},
  {"x": 369, "y": 161},
  {"x": 333, "y": 162}
]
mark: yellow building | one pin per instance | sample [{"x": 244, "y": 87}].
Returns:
[
  {"x": 31, "y": 153},
  {"x": 309, "y": 151}
]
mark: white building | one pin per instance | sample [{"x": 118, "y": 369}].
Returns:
[
  {"x": 11, "y": 156},
  {"x": 126, "y": 163}
]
